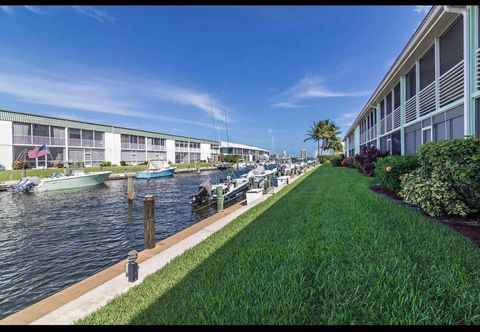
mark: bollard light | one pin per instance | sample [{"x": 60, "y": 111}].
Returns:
[{"x": 131, "y": 268}]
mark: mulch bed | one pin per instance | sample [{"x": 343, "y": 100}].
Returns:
[{"x": 468, "y": 227}]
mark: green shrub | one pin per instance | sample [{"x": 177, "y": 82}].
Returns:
[
  {"x": 350, "y": 162},
  {"x": 123, "y": 163},
  {"x": 106, "y": 163},
  {"x": 337, "y": 162},
  {"x": 388, "y": 170},
  {"x": 327, "y": 157},
  {"x": 448, "y": 179}
]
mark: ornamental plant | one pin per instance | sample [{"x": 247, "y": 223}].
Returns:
[
  {"x": 367, "y": 157},
  {"x": 448, "y": 179},
  {"x": 388, "y": 170}
]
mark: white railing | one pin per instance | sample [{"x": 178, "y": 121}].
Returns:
[
  {"x": 411, "y": 109},
  {"x": 372, "y": 133},
  {"x": 151, "y": 147},
  {"x": 363, "y": 137},
  {"x": 40, "y": 140},
  {"x": 478, "y": 68},
  {"x": 396, "y": 118},
  {"x": 57, "y": 140},
  {"x": 99, "y": 144},
  {"x": 74, "y": 142},
  {"x": 87, "y": 143},
  {"x": 22, "y": 139},
  {"x": 125, "y": 145},
  {"x": 181, "y": 149},
  {"x": 141, "y": 146},
  {"x": 451, "y": 85},
  {"x": 426, "y": 99},
  {"x": 389, "y": 122}
]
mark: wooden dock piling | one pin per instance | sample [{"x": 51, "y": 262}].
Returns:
[
  {"x": 149, "y": 221},
  {"x": 130, "y": 188},
  {"x": 219, "y": 199}
]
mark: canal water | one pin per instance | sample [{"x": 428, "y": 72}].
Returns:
[{"x": 49, "y": 241}]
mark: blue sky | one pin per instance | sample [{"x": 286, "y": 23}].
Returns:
[{"x": 271, "y": 70}]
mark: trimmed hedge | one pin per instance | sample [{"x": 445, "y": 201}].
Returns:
[
  {"x": 327, "y": 159},
  {"x": 388, "y": 170}
]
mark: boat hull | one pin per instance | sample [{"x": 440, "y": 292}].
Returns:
[
  {"x": 71, "y": 182},
  {"x": 155, "y": 174}
]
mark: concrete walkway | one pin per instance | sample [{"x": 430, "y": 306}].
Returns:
[{"x": 87, "y": 296}]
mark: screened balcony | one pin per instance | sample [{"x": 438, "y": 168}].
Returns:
[{"x": 35, "y": 134}]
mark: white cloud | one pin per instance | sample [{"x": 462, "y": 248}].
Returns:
[
  {"x": 34, "y": 9},
  {"x": 7, "y": 9},
  {"x": 287, "y": 104},
  {"x": 92, "y": 12},
  {"x": 422, "y": 9},
  {"x": 312, "y": 87},
  {"x": 123, "y": 97}
]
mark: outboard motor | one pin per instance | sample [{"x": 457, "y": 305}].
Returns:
[
  {"x": 24, "y": 185},
  {"x": 203, "y": 194}
]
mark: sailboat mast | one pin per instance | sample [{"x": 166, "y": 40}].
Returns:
[{"x": 226, "y": 123}]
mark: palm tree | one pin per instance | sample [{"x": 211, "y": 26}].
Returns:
[
  {"x": 325, "y": 131},
  {"x": 335, "y": 145},
  {"x": 314, "y": 134}
]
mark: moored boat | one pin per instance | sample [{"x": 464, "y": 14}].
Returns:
[
  {"x": 156, "y": 169},
  {"x": 78, "y": 179}
]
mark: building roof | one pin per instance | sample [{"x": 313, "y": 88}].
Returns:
[
  {"x": 7, "y": 115},
  {"x": 406, "y": 52},
  {"x": 224, "y": 144}
]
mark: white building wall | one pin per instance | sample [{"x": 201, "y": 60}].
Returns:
[
  {"x": 204, "y": 151},
  {"x": 113, "y": 148},
  {"x": 170, "y": 146},
  {"x": 6, "y": 141}
]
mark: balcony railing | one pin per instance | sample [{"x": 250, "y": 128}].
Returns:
[
  {"x": 87, "y": 143},
  {"x": 411, "y": 109},
  {"x": 141, "y": 146},
  {"x": 99, "y": 144},
  {"x": 74, "y": 142},
  {"x": 22, "y": 139},
  {"x": 396, "y": 117},
  {"x": 451, "y": 85},
  {"x": 426, "y": 99},
  {"x": 125, "y": 145},
  {"x": 151, "y": 147},
  {"x": 181, "y": 149},
  {"x": 57, "y": 141},
  {"x": 40, "y": 140}
]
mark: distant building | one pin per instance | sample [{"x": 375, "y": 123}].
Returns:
[
  {"x": 246, "y": 152},
  {"x": 303, "y": 154}
]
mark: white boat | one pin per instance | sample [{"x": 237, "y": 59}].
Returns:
[
  {"x": 78, "y": 179},
  {"x": 156, "y": 169}
]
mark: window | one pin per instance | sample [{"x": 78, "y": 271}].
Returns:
[
  {"x": 439, "y": 130},
  {"x": 396, "y": 96},
  {"x": 427, "y": 68},
  {"x": 57, "y": 132},
  {"x": 410, "y": 80},
  {"x": 426, "y": 135},
  {"x": 87, "y": 134},
  {"x": 125, "y": 138},
  {"x": 99, "y": 136},
  {"x": 141, "y": 139},
  {"x": 413, "y": 138},
  {"x": 396, "y": 147},
  {"x": 451, "y": 46},
  {"x": 382, "y": 109},
  {"x": 389, "y": 103},
  {"x": 40, "y": 130},
  {"x": 454, "y": 126},
  {"x": 74, "y": 133}
]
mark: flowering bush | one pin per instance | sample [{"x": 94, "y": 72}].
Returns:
[
  {"x": 350, "y": 162},
  {"x": 388, "y": 170},
  {"x": 367, "y": 157}
]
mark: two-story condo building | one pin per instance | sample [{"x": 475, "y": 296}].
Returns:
[
  {"x": 90, "y": 143},
  {"x": 431, "y": 92}
]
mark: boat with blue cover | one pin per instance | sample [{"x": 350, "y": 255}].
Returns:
[{"x": 156, "y": 169}]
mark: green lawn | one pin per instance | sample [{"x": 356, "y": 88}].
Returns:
[{"x": 326, "y": 250}]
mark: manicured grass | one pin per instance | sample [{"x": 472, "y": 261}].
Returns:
[{"x": 327, "y": 250}]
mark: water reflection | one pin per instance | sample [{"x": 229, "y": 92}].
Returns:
[{"x": 51, "y": 240}]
